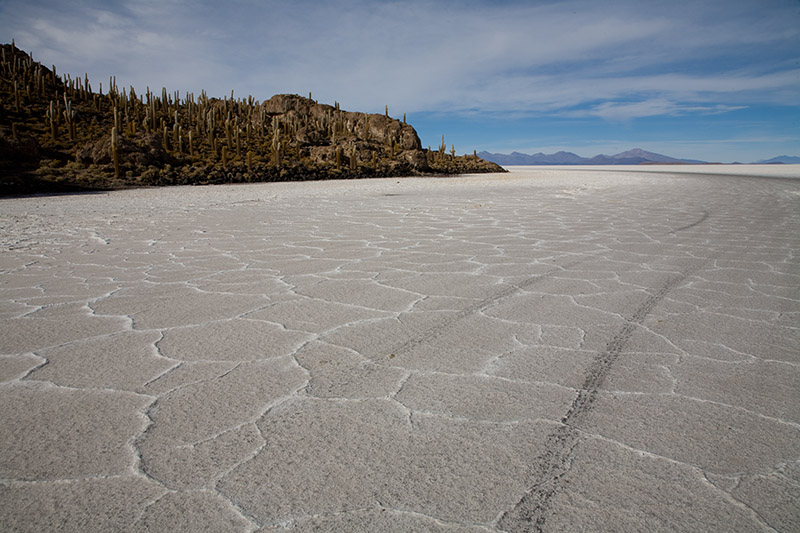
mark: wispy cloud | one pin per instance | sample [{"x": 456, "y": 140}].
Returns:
[
  {"x": 538, "y": 56},
  {"x": 649, "y": 108}
]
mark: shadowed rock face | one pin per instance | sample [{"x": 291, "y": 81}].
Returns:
[{"x": 56, "y": 134}]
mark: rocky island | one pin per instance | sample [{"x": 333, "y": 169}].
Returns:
[{"x": 59, "y": 134}]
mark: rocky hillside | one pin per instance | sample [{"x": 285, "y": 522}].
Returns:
[{"x": 59, "y": 133}]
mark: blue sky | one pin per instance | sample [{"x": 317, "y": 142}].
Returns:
[{"x": 717, "y": 81}]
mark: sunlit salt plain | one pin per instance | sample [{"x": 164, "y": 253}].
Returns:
[
  {"x": 768, "y": 171},
  {"x": 552, "y": 349}
]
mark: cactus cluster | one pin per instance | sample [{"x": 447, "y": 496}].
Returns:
[{"x": 58, "y": 129}]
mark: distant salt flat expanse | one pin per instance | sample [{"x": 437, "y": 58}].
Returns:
[
  {"x": 551, "y": 349},
  {"x": 769, "y": 171}
]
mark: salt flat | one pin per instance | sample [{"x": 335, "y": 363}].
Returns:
[{"x": 554, "y": 349}]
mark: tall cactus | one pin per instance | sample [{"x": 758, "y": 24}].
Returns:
[
  {"x": 52, "y": 115},
  {"x": 115, "y": 150},
  {"x": 69, "y": 118},
  {"x": 165, "y": 138},
  {"x": 276, "y": 146},
  {"x": 117, "y": 120}
]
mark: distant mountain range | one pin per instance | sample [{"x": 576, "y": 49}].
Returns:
[
  {"x": 784, "y": 159},
  {"x": 637, "y": 156}
]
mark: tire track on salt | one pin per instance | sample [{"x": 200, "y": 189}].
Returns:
[
  {"x": 439, "y": 329},
  {"x": 530, "y": 513}
]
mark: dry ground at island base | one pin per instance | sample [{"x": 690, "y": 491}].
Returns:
[{"x": 548, "y": 350}]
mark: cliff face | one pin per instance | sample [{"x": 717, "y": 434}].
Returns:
[{"x": 59, "y": 134}]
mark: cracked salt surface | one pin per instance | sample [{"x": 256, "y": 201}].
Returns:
[{"x": 547, "y": 350}]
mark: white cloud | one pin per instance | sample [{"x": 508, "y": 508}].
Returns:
[
  {"x": 617, "y": 60},
  {"x": 649, "y": 108}
]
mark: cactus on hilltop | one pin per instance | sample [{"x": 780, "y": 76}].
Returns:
[{"x": 168, "y": 138}]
